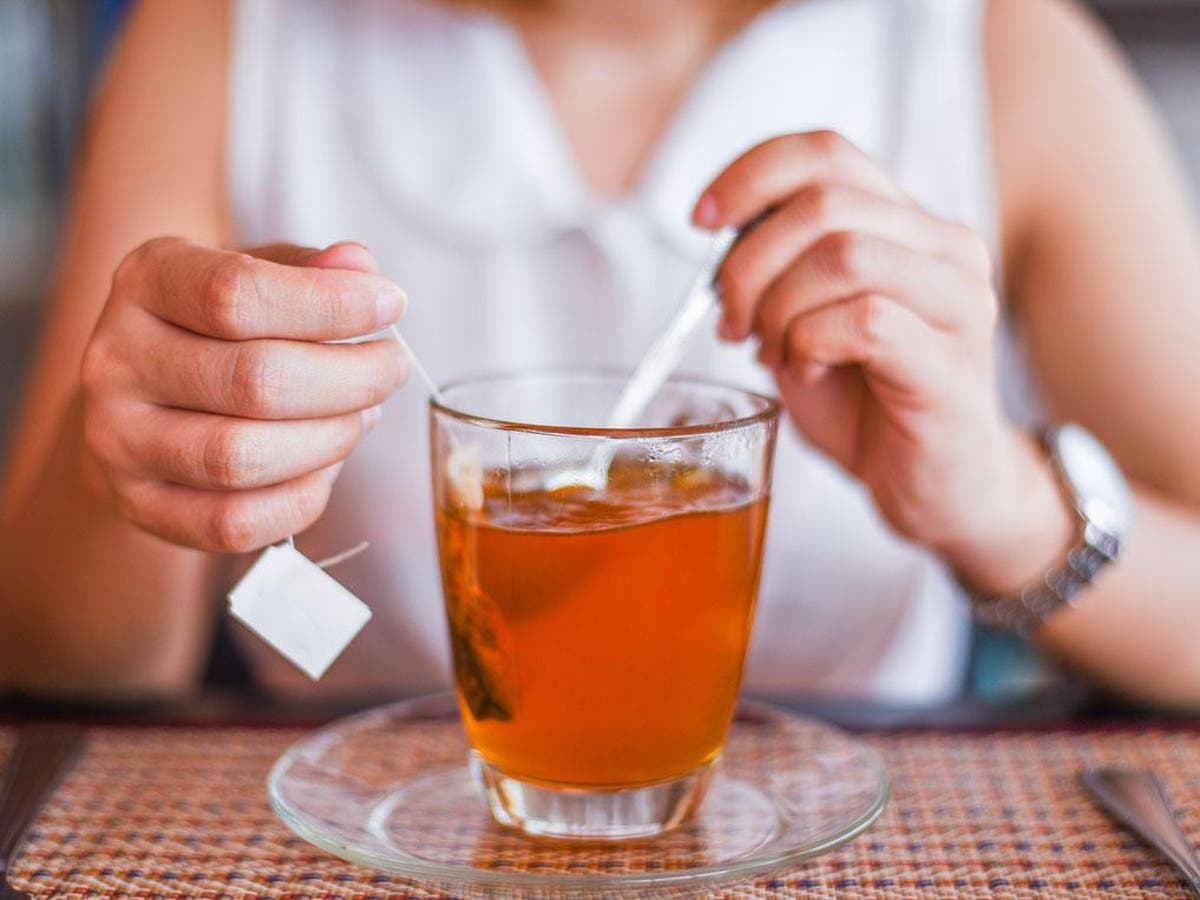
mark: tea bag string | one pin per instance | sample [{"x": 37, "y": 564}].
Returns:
[
  {"x": 417, "y": 367},
  {"x": 431, "y": 385}
]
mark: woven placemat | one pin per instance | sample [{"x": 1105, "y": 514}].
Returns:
[{"x": 158, "y": 813}]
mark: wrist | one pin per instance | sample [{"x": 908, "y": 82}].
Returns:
[{"x": 1023, "y": 525}]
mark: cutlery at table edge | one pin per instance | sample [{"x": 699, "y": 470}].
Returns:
[
  {"x": 42, "y": 755},
  {"x": 1137, "y": 799}
]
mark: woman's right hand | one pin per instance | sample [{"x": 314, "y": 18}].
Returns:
[{"x": 216, "y": 415}]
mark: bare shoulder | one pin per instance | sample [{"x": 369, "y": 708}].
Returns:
[
  {"x": 184, "y": 32},
  {"x": 1056, "y": 24},
  {"x": 163, "y": 100},
  {"x": 1057, "y": 82},
  {"x": 152, "y": 161},
  {"x": 1042, "y": 53},
  {"x": 1100, "y": 236},
  {"x": 153, "y": 157}
]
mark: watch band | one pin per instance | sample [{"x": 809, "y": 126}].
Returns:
[
  {"x": 1100, "y": 539},
  {"x": 1038, "y": 601}
]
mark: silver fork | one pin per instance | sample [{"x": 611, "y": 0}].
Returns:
[{"x": 40, "y": 758}]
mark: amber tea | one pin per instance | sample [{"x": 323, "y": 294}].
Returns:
[{"x": 598, "y": 638}]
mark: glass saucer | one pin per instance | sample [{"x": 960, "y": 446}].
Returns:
[{"x": 391, "y": 789}]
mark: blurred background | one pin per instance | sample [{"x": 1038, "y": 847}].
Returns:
[{"x": 52, "y": 55}]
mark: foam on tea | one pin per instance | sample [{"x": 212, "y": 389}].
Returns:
[{"x": 588, "y": 627}]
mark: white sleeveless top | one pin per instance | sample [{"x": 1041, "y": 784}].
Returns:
[{"x": 424, "y": 133}]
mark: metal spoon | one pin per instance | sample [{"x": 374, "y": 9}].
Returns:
[{"x": 1137, "y": 799}]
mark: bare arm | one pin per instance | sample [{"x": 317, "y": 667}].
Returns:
[
  {"x": 90, "y": 603},
  {"x": 1103, "y": 262},
  {"x": 878, "y": 319},
  {"x": 186, "y": 395}
]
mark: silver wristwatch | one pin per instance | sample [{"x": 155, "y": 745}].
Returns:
[{"x": 1091, "y": 481}]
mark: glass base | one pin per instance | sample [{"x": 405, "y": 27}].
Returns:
[{"x": 568, "y": 813}]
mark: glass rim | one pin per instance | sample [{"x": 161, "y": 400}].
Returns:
[{"x": 770, "y": 411}]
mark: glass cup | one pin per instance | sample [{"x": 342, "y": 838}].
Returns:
[{"x": 600, "y": 588}]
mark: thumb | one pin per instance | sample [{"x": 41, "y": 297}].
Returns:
[{"x": 349, "y": 255}]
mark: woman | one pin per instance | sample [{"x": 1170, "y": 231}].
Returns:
[{"x": 526, "y": 171}]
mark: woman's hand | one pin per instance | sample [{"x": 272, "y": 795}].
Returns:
[
  {"x": 217, "y": 417},
  {"x": 877, "y": 319}
]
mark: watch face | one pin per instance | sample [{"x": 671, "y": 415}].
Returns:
[{"x": 1101, "y": 492}]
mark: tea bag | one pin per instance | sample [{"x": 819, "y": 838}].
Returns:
[
  {"x": 479, "y": 637},
  {"x": 464, "y": 472},
  {"x": 480, "y": 640},
  {"x": 482, "y": 651}
]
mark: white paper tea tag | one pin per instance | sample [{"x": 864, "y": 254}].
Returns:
[{"x": 296, "y": 607}]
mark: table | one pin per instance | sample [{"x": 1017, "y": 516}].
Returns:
[{"x": 155, "y": 811}]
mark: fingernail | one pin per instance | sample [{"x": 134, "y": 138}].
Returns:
[
  {"x": 390, "y": 305},
  {"x": 707, "y": 214},
  {"x": 331, "y": 472},
  {"x": 370, "y": 418},
  {"x": 356, "y": 245},
  {"x": 336, "y": 244},
  {"x": 811, "y": 372}
]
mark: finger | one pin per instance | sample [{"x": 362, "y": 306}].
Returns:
[
  {"x": 895, "y": 347},
  {"x": 843, "y": 264},
  {"x": 349, "y": 255},
  {"x": 763, "y": 254},
  {"x": 271, "y": 379},
  {"x": 236, "y": 296},
  {"x": 218, "y": 452},
  {"x": 227, "y": 521},
  {"x": 818, "y": 397},
  {"x": 769, "y": 173}
]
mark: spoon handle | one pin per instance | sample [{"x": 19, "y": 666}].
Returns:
[
  {"x": 1138, "y": 799},
  {"x": 664, "y": 354}
]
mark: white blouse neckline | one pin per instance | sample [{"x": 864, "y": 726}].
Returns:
[{"x": 515, "y": 180}]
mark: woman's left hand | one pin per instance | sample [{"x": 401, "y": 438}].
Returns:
[{"x": 877, "y": 319}]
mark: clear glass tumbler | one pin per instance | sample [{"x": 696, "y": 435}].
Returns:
[{"x": 600, "y": 588}]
